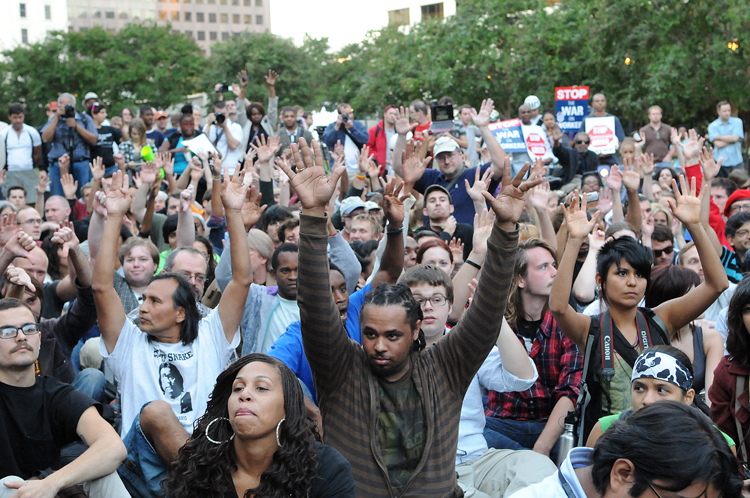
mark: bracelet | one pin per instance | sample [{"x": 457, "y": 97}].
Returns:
[
  {"x": 361, "y": 177},
  {"x": 395, "y": 232},
  {"x": 471, "y": 263}
]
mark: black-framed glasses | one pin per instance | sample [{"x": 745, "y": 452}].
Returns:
[
  {"x": 199, "y": 279},
  {"x": 579, "y": 142},
  {"x": 666, "y": 250},
  {"x": 11, "y": 332},
  {"x": 436, "y": 300},
  {"x": 705, "y": 491}
]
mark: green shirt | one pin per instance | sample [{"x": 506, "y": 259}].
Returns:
[{"x": 606, "y": 423}]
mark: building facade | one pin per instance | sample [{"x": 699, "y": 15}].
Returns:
[
  {"x": 407, "y": 12},
  {"x": 29, "y": 21}
]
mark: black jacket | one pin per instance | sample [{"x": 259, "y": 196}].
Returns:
[{"x": 570, "y": 160}]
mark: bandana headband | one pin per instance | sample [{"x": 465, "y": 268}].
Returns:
[{"x": 662, "y": 366}]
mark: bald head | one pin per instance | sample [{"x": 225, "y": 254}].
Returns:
[
  {"x": 37, "y": 269},
  {"x": 57, "y": 209},
  {"x": 524, "y": 114},
  {"x": 30, "y": 222}
]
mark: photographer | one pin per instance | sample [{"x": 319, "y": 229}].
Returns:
[
  {"x": 225, "y": 135},
  {"x": 352, "y": 134},
  {"x": 70, "y": 133}
]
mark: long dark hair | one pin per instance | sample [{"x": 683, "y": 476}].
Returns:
[
  {"x": 738, "y": 340},
  {"x": 183, "y": 297},
  {"x": 203, "y": 468}
]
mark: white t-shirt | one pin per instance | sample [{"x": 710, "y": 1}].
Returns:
[
  {"x": 284, "y": 314},
  {"x": 19, "y": 148},
  {"x": 351, "y": 152},
  {"x": 231, "y": 157},
  {"x": 551, "y": 487},
  {"x": 182, "y": 375}
]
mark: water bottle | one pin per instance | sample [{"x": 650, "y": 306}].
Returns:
[{"x": 567, "y": 439}]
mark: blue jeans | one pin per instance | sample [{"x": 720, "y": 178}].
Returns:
[
  {"x": 143, "y": 470},
  {"x": 507, "y": 434},
  {"x": 90, "y": 382},
  {"x": 80, "y": 171}
]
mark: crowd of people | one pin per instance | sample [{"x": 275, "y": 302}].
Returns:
[{"x": 247, "y": 306}]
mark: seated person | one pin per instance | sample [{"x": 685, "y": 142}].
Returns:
[
  {"x": 666, "y": 449},
  {"x": 166, "y": 366},
  {"x": 255, "y": 440},
  {"x": 39, "y": 415}
]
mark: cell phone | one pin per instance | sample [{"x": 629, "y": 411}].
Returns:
[
  {"x": 637, "y": 137},
  {"x": 244, "y": 79}
]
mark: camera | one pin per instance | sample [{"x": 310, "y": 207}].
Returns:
[
  {"x": 442, "y": 118},
  {"x": 224, "y": 88},
  {"x": 70, "y": 111},
  {"x": 344, "y": 118},
  {"x": 220, "y": 118}
]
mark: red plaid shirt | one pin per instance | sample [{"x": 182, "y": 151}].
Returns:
[{"x": 560, "y": 366}]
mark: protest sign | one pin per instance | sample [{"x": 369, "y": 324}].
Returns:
[
  {"x": 571, "y": 105},
  {"x": 601, "y": 132},
  {"x": 537, "y": 144},
  {"x": 509, "y": 135}
]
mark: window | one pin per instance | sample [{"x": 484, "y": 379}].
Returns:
[
  {"x": 97, "y": 14},
  {"x": 225, "y": 18},
  {"x": 198, "y": 1},
  {"x": 189, "y": 34},
  {"x": 175, "y": 15},
  {"x": 235, "y": 2},
  {"x": 398, "y": 17},
  {"x": 162, "y": 15},
  {"x": 434, "y": 11},
  {"x": 188, "y": 16},
  {"x": 248, "y": 19},
  {"x": 211, "y": 17},
  {"x": 224, "y": 35},
  {"x": 83, "y": 13},
  {"x": 110, "y": 14},
  {"x": 200, "y": 17},
  {"x": 201, "y": 35},
  {"x": 212, "y": 35},
  {"x": 212, "y": 1},
  {"x": 23, "y": 10},
  {"x": 258, "y": 19},
  {"x": 259, "y": 3},
  {"x": 185, "y": 1},
  {"x": 47, "y": 12},
  {"x": 236, "y": 18},
  {"x": 246, "y": 3},
  {"x": 123, "y": 14},
  {"x": 223, "y": 2},
  {"x": 24, "y": 35}
]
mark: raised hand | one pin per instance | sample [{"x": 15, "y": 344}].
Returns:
[
  {"x": 647, "y": 227},
  {"x": 149, "y": 171},
  {"x": 282, "y": 178},
  {"x": 244, "y": 80},
  {"x": 118, "y": 201},
  {"x": 20, "y": 245},
  {"x": 196, "y": 171},
  {"x": 8, "y": 228},
  {"x": 393, "y": 203},
  {"x": 373, "y": 170},
  {"x": 509, "y": 204},
  {"x": 236, "y": 90},
  {"x": 596, "y": 239},
  {"x": 539, "y": 168},
  {"x": 120, "y": 160},
  {"x": 412, "y": 168},
  {"x": 97, "y": 168},
  {"x": 233, "y": 192},
  {"x": 456, "y": 247},
  {"x": 64, "y": 162},
  {"x": 686, "y": 206},
  {"x": 363, "y": 159},
  {"x": 251, "y": 210},
  {"x": 187, "y": 197},
  {"x": 271, "y": 77},
  {"x": 692, "y": 148},
  {"x": 539, "y": 196},
  {"x": 646, "y": 163},
  {"x": 100, "y": 204},
  {"x": 710, "y": 167},
  {"x": 482, "y": 118},
  {"x": 313, "y": 188},
  {"x": 480, "y": 185},
  {"x": 482, "y": 229},
  {"x": 18, "y": 276},
  {"x": 65, "y": 237},
  {"x": 403, "y": 126},
  {"x": 69, "y": 186},
  {"x": 614, "y": 179},
  {"x": 605, "y": 201},
  {"x": 266, "y": 148},
  {"x": 579, "y": 226},
  {"x": 631, "y": 175},
  {"x": 42, "y": 183},
  {"x": 250, "y": 155},
  {"x": 167, "y": 163}
]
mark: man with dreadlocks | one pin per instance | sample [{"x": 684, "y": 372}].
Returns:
[{"x": 392, "y": 407}]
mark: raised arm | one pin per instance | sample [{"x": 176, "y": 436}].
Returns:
[
  {"x": 614, "y": 183},
  {"x": 185, "y": 225},
  {"x": 483, "y": 223},
  {"x": 403, "y": 126},
  {"x": 538, "y": 198},
  {"x": 109, "y": 309},
  {"x": 631, "y": 178},
  {"x": 149, "y": 172},
  {"x": 678, "y": 312},
  {"x": 481, "y": 184},
  {"x": 392, "y": 262},
  {"x": 482, "y": 120},
  {"x": 574, "y": 325},
  {"x": 584, "y": 287},
  {"x": 232, "y": 304}
]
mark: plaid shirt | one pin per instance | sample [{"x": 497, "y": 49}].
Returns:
[{"x": 560, "y": 366}]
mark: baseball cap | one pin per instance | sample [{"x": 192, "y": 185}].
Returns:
[
  {"x": 52, "y": 106},
  {"x": 444, "y": 144},
  {"x": 90, "y": 95},
  {"x": 434, "y": 187},
  {"x": 737, "y": 195},
  {"x": 350, "y": 204},
  {"x": 533, "y": 102},
  {"x": 160, "y": 114},
  {"x": 369, "y": 205}
]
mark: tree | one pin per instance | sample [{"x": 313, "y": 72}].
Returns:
[{"x": 142, "y": 64}]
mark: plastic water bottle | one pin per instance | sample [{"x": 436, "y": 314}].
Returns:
[{"x": 567, "y": 439}]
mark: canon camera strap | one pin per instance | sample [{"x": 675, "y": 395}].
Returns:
[{"x": 607, "y": 342}]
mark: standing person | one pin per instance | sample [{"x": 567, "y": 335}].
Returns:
[
  {"x": 132, "y": 150},
  {"x": 252, "y": 116},
  {"x": 726, "y": 133},
  {"x": 399, "y": 401},
  {"x": 174, "y": 144},
  {"x": 351, "y": 133},
  {"x": 127, "y": 115},
  {"x": 657, "y": 138},
  {"x": 463, "y": 124},
  {"x": 147, "y": 116},
  {"x": 380, "y": 136},
  {"x": 518, "y": 159},
  {"x": 23, "y": 149},
  {"x": 599, "y": 105},
  {"x": 73, "y": 136},
  {"x": 290, "y": 131},
  {"x": 534, "y": 104},
  {"x": 108, "y": 138},
  {"x": 421, "y": 115},
  {"x": 161, "y": 120},
  {"x": 613, "y": 340}
]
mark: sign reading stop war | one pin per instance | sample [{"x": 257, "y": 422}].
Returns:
[
  {"x": 536, "y": 142},
  {"x": 571, "y": 105},
  {"x": 509, "y": 135},
  {"x": 601, "y": 132}
]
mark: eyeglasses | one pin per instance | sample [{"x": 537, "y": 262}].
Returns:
[
  {"x": 579, "y": 142},
  {"x": 736, "y": 208},
  {"x": 705, "y": 491},
  {"x": 666, "y": 250},
  {"x": 199, "y": 279},
  {"x": 437, "y": 300},
  {"x": 33, "y": 221},
  {"x": 11, "y": 332}
]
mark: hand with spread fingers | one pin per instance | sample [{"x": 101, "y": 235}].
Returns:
[
  {"x": 251, "y": 209},
  {"x": 393, "y": 203},
  {"x": 579, "y": 226},
  {"x": 481, "y": 184},
  {"x": 686, "y": 206},
  {"x": 509, "y": 204},
  {"x": 118, "y": 199},
  {"x": 233, "y": 192}
]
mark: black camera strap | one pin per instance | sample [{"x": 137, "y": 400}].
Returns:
[
  {"x": 219, "y": 134},
  {"x": 607, "y": 342}
]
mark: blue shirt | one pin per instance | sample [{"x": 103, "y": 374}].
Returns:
[
  {"x": 69, "y": 141},
  {"x": 462, "y": 203},
  {"x": 619, "y": 133},
  {"x": 732, "y": 153},
  {"x": 179, "y": 160},
  {"x": 288, "y": 348}
]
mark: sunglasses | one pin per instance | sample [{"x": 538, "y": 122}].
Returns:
[
  {"x": 666, "y": 250},
  {"x": 579, "y": 142}
]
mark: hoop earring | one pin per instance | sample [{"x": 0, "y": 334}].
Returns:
[
  {"x": 209, "y": 427},
  {"x": 278, "y": 427}
]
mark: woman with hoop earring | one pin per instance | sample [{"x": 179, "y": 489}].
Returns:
[{"x": 255, "y": 440}]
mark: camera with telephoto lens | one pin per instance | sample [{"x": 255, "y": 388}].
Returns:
[
  {"x": 224, "y": 88},
  {"x": 70, "y": 111},
  {"x": 220, "y": 118},
  {"x": 344, "y": 118}
]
